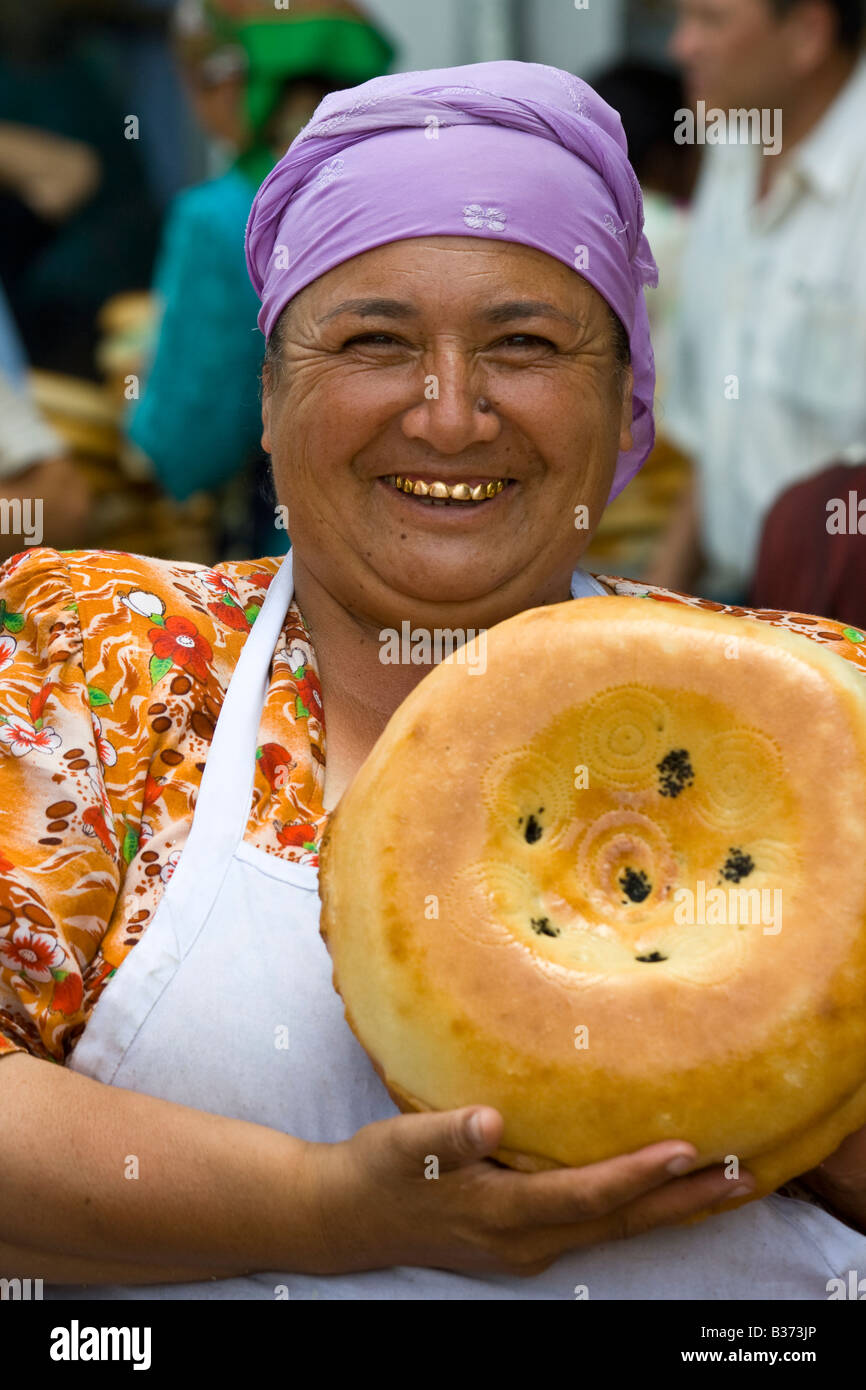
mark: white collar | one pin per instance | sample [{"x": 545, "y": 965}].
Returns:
[
  {"x": 585, "y": 585},
  {"x": 828, "y": 155}
]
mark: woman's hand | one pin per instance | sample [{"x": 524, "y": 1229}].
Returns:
[
  {"x": 380, "y": 1208},
  {"x": 841, "y": 1180}
]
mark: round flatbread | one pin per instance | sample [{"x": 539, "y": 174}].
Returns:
[{"x": 605, "y": 870}]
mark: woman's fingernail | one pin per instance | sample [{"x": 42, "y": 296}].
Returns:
[
  {"x": 739, "y": 1191},
  {"x": 476, "y": 1127},
  {"x": 681, "y": 1164}
]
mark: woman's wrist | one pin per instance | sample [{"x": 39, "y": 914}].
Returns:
[{"x": 335, "y": 1232}]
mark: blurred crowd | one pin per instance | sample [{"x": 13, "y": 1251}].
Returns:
[{"x": 134, "y": 133}]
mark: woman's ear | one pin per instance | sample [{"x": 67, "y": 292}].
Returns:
[{"x": 625, "y": 435}]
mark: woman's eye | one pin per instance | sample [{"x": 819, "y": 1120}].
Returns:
[
  {"x": 527, "y": 339},
  {"x": 369, "y": 338},
  {"x": 520, "y": 340}
]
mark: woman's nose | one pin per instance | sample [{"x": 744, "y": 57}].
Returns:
[{"x": 446, "y": 415}]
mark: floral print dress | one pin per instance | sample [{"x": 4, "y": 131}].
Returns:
[{"x": 113, "y": 669}]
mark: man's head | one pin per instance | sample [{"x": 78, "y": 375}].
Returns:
[{"x": 758, "y": 53}]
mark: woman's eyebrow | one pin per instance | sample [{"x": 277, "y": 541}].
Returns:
[
  {"x": 372, "y": 308},
  {"x": 507, "y": 312},
  {"x": 526, "y": 309}
]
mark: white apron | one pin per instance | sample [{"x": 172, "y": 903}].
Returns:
[{"x": 234, "y": 954}]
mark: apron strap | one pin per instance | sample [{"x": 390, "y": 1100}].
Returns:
[{"x": 223, "y": 804}]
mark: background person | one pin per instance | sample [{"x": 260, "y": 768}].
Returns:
[
  {"x": 79, "y": 220},
  {"x": 647, "y": 99},
  {"x": 813, "y": 545},
  {"x": 770, "y": 353},
  {"x": 255, "y": 75}
]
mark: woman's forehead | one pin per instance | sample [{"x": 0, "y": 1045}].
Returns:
[{"x": 456, "y": 271}]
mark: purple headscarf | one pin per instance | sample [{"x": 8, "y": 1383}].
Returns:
[{"x": 507, "y": 150}]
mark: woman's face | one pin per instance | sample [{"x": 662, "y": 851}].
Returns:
[{"x": 391, "y": 387}]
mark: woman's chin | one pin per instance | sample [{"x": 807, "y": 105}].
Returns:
[
  {"x": 442, "y": 573},
  {"x": 479, "y": 593}
]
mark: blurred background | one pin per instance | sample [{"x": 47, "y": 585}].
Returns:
[{"x": 134, "y": 133}]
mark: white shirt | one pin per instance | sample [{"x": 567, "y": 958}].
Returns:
[
  {"x": 773, "y": 308},
  {"x": 666, "y": 224}
]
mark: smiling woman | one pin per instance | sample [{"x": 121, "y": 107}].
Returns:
[
  {"x": 382, "y": 390},
  {"x": 458, "y": 378}
]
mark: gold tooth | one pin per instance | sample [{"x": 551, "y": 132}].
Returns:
[{"x": 461, "y": 492}]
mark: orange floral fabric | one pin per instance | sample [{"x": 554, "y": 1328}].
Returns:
[{"x": 113, "y": 669}]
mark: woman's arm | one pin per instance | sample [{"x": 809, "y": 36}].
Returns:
[
  {"x": 215, "y": 1197},
  {"x": 212, "y": 1196},
  {"x": 20, "y": 1262}
]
